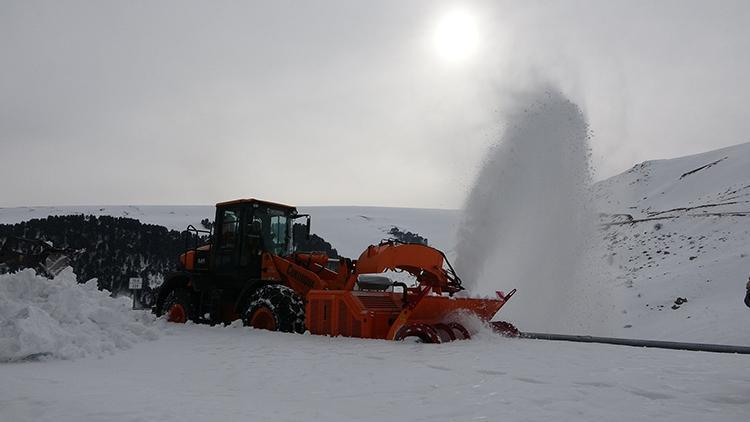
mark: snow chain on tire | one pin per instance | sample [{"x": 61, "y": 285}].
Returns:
[{"x": 283, "y": 303}]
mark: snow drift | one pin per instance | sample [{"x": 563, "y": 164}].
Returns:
[{"x": 61, "y": 318}]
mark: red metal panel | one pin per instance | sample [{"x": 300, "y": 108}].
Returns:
[
  {"x": 356, "y": 328},
  {"x": 344, "y": 320},
  {"x": 313, "y": 318},
  {"x": 326, "y": 316}
]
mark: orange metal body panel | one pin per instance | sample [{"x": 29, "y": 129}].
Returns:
[
  {"x": 187, "y": 259},
  {"x": 351, "y": 314},
  {"x": 422, "y": 261},
  {"x": 304, "y": 272},
  {"x": 435, "y": 309},
  {"x": 268, "y": 270},
  {"x": 379, "y": 315},
  {"x": 376, "y": 259}
]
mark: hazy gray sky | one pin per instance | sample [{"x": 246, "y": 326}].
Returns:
[{"x": 343, "y": 102}]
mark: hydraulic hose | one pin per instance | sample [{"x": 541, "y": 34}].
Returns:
[{"x": 674, "y": 345}]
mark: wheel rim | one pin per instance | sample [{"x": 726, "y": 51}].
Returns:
[
  {"x": 423, "y": 332},
  {"x": 460, "y": 331},
  {"x": 263, "y": 318},
  {"x": 445, "y": 333},
  {"x": 177, "y": 314}
]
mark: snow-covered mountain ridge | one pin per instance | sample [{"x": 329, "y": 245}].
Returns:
[{"x": 697, "y": 185}]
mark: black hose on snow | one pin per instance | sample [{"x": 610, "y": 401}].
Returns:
[{"x": 675, "y": 345}]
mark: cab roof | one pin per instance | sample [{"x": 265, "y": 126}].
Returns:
[{"x": 255, "y": 201}]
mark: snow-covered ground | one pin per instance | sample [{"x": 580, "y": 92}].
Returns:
[
  {"x": 198, "y": 373},
  {"x": 672, "y": 229}
]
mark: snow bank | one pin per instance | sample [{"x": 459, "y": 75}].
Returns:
[{"x": 61, "y": 318}]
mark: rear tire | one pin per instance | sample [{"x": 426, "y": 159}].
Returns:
[
  {"x": 178, "y": 306},
  {"x": 275, "y": 308}
]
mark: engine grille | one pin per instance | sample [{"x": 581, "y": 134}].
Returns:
[{"x": 378, "y": 303}]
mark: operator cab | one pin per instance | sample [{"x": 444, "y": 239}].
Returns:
[{"x": 245, "y": 229}]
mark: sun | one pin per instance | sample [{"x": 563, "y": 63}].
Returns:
[{"x": 456, "y": 36}]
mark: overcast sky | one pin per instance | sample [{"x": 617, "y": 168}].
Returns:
[{"x": 344, "y": 102}]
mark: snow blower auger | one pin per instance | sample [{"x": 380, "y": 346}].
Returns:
[{"x": 247, "y": 270}]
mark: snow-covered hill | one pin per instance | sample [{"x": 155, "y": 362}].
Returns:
[
  {"x": 680, "y": 228},
  {"x": 712, "y": 182}
]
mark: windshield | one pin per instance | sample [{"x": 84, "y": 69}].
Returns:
[{"x": 274, "y": 229}]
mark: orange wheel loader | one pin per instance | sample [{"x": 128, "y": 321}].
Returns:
[{"x": 248, "y": 270}]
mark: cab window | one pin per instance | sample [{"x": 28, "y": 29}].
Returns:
[
  {"x": 279, "y": 238},
  {"x": 274, "y": 229},
  {"x": 230, "y": 226}
]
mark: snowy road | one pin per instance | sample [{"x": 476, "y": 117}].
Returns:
[{"x": 197, "y": 373}]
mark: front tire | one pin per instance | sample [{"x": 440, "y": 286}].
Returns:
[{"x": 275, "y": 308}]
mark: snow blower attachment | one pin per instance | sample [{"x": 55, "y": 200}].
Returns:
[
  {"x": 248, "y": 270},
  {"x": 383, "y": 309}
]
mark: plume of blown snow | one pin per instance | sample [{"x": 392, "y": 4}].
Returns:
[{"x": 527, "y": 221}]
